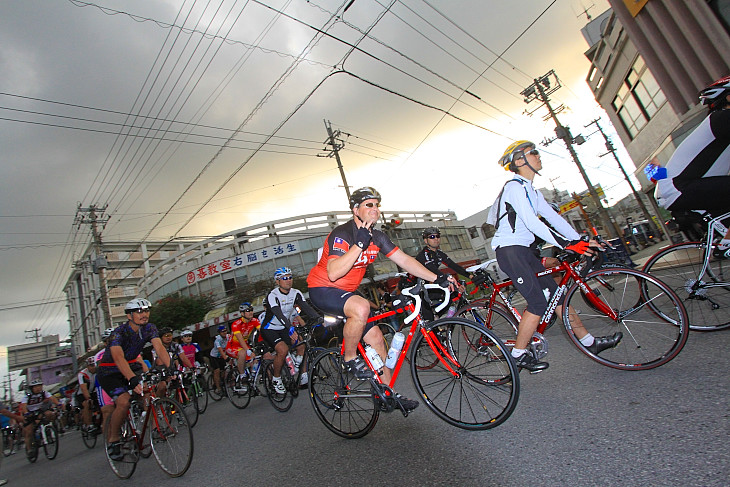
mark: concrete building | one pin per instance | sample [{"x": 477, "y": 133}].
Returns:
[
  {"x": 650, "y": 58},
  {"x": 126, "y": 262}
]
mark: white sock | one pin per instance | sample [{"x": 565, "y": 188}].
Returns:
[
  {"x": 517, "y": 352},
  {"x": 587, "y": 340}
]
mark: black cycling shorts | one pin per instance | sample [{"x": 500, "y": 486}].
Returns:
[
  {"x": 272, "y": 337},
  {"x": 709, "y": 194},
  {"x": 521, "y": 265},
  {"x": 114, "y": 384},
  {"x": 331, "y": 301},
  {"x": 217, "y": 363}
]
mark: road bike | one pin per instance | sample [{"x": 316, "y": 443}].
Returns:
[
  {"x": 154, "y": 425},
  {"x": 44, "y": 435},
  {"x": 180, "y": 389},
  {"x": 699, "y": 278},
  {"x": 282, "y": 402},
  {"x": 607, "y": 301},
  {"x": 462, "y": 371}
]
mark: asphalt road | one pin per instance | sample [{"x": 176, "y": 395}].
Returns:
[{"x": 578, "y": 424}]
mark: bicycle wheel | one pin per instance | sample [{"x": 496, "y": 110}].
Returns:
[
  {"x": 50, "y": 446},
  {"x": 650, "y": 339},
  {"x": 172, "y": 437},
  {"x": 125, "y": 467},
  {"x": 214, "y": 394},
  {"x": 344, "y": 404},
  {"x": 500, "y": 321},
  {"x": 483, "y": 386},
  {"x": 237, "y": 392},
  {"x": 281, "y": 402},
  {"x": 88, "y": 435},
  {"x": 8, "y": 442},
  {"x": 678, "y": 266},
  {"x": 201, "y": 393},
  {"x": 189, "y": 402}
]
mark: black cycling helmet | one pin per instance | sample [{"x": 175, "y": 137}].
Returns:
[
  {"x": 715, "y": 95},
  {"x": 165, "y": 330},
  {"x": 430, "y": 231},
  {"x": 362, "y": 194}
]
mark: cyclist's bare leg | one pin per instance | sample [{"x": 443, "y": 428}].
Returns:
[
  {"x": 281, "y": 351},
  {"x": 575, "y": 321},
  {"x": 28, "y": 434},
  {"x": 241, "y": 360},
  {"x": 217, "y": 378},
  {"x": 357, "y": 310},
  {"x": 374, "y": 338},
  {"x": 118, "y": 417},
  {"x": 86, "y": 412},
  {"x": 525, "y": 330},
  {"x": 106, "y": 410}
]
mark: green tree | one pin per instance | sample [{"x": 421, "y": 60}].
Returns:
[{"x": 178, "y": 311}]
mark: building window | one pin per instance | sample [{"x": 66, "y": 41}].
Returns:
[
  {"x": 473, "y": 232},
  {"x": 487, "y": 231},
  {"x": 638, "y": 99}
]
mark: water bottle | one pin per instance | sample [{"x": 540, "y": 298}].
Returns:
[
  {"x": 395, "y": 347},
  {"x": 374, "y": 358},
  {"x": 290, "y": 363},
  {"x": 451, "y": 311}
]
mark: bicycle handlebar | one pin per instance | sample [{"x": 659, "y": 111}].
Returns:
[{"x": 415, "y": 293}]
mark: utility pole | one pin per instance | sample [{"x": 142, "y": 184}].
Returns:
[
  {"x": 35, "y": 334},
  {"x": 336, "y": 144},
  {"x": 89, "y": 216},
  {"x": 539, "y": 90},
  {"x": 612, "y": 150}
]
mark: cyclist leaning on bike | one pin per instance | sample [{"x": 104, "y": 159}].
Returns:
[
  {"x": 84, "y": 393},
  {"x": 698, "y": 173},
  {"x": 36, "y": 401},
  {"x": 333, "y": 282},
  {"x": 119, "y": 369},
  {"x": 237, "y": 346},
  {"x": 515, "y": 215},
  {"x": 276, "y": 328},
  {"x": 177, "y": 356}
]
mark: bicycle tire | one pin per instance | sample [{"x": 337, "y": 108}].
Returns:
[
  {"x": 280, "y": 402},
  {"x": 500, "y": 321},
  {"x": 32, "y": 453},
  {"x": 485, "y": 389},
  {"x": 201, "y": 392},
  {"x": 678, "y": 266},
  {"x": 50, "y": 446},
  {"x": 8, "y": 442},
  {"x": 171, "y": 436},
  {"x": 650, "y": 339},
  {"x": 125, "y": 467},
  {"x": 238, "y": 398},
  {"x": 212, "y": 390},
  {"x": 345, "y": 405},
  {"x": 89, "y": 438},
  {"x": 189, "y": 402}
]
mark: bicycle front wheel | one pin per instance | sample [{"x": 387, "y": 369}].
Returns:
[
  {"x": 199, "y": 389},
  {"x": 171, "y": 436},
  {"x": 650, "y": 339},
  {"x": 88, "y": 435},
  {"x": 186, "y": 396},
  {"x": 678, "y": 266},
  {"x": 474, "y": 383},
  {"x": 215, "y": 394},
  {"x": 125, "y": 466},
  {"x": 237, "y": 391},
  {"x": 344, "y": 404},
  {"x": 50, "y": 446},
  {"x": 281, "y": 401}
]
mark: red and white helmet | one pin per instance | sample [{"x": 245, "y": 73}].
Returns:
[{"x": 715, "y": 95}]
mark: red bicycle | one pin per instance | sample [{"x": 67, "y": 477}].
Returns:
[
  {"x": 461, "y": 370},
  {"x": 644, "y": 309}
]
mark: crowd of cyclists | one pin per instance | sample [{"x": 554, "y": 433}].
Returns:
[{"x": 695, "y": 178}]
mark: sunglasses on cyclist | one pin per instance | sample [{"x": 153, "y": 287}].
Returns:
[
  {"x": 371, "y": 205},
  {"x": 533, "y": 152},
  {"x": 140, "y": 310},
  {"x": 167, "y": 335},
  {"x": 248, "y": 310},
  {"x": 286, "y": 278},
  {"x": 435, "y": 235}
]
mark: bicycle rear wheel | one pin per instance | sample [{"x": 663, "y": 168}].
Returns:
[
  {"x": 172, "y": 437},
  {"x": 237, "y": 393},
  {"x": 482, "y": 388},
  {"x": 650, "y": 339},
  {"x": 215, "y": 394},
  {"x": 125, "y": 467},
  {"x": 678, "y": 266},
  {"x": 344, "y": 404},
  {"x": 88, "y": 435},
  {"x": 199, "y": 389},
  {"x": 498, "y": 320},
  {"x": 281, "y": 402}
]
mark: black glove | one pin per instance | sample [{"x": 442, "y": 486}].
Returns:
[
  {"x": 134, "y": 382},
  {"x": 442, "y": 279},
  {"x": 363, "y": 238},
  {"x": 478, "y": 279}
]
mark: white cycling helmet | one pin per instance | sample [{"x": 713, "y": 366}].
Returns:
[
  {"x": 107, "y": 333},
  {"x": 137, "y": 304},
  {"x": 36, "y": 382},
  {"x": 281, "y": 272}
]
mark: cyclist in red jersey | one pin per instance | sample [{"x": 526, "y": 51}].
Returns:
[
  {"x": 348, "y": 250},
  {"x": 237, "y": 346}
]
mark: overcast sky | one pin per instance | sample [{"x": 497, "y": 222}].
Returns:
[{"x": 218, "y": 125}]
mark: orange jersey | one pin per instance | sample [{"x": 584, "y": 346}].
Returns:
[{"x": 244, "y": 328}]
